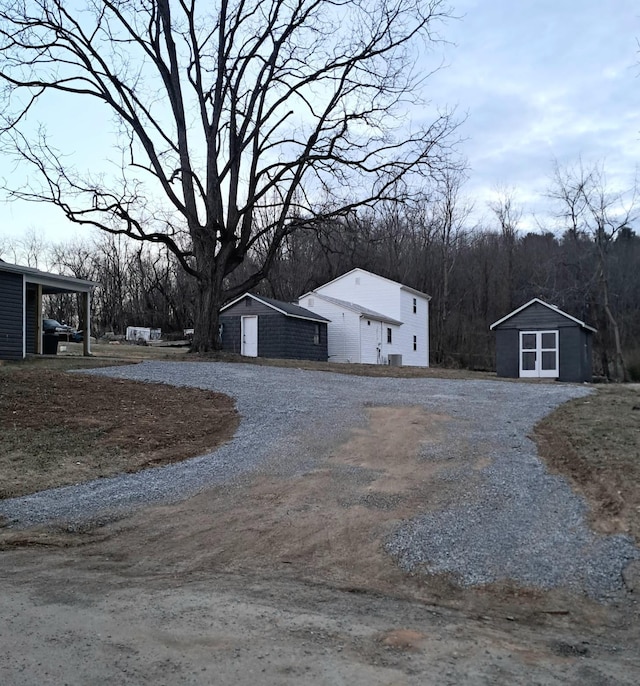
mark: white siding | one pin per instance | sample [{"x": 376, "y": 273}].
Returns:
[
  {"x": 373, "y": 340},
  {"x": 343, "y": 330},
  {"x": 352, "y": 339},
  {"x": 414, "y": 324},
  {"x": 370, "y": 341},
  {"x": 368, "y": 290}
]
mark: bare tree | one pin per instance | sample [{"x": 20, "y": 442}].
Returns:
[
  {"x": 590, "y": 208},
  {"x": 508, "y": 213},
  {"x": 30, "y": 249},
  {"x": 451, "y": 214},
  {"x": 5, "y": 247},
  {"x": 79, "y": 259},
  {"x": 34, "y": 247},
  {"x": 220, "y": 108}
]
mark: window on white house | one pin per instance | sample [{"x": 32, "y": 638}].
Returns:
[
  {"x": 415, "y": 342},
  {"x": 388, "y": 335},
  {"x": 415, "y": 306},
  {"x": 368, "y": 322},
  {"x": 316, "y": 335}
]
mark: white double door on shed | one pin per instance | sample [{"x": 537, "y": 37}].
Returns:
[
  {"x": 249, "y": 335},
  {"x": 539, "y": 357}
]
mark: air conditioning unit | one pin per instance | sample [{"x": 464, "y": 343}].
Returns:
[{"x": 395, "y": 360}]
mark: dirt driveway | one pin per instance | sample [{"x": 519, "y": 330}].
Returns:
[{"x": 283, "y": 576}]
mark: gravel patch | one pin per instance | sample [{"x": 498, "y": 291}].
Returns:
[{"x": 514, "y": 521}]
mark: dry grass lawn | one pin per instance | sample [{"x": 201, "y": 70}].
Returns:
[
  {"x": 595, "y": 442},
  {"x": 58, "y": 428}
]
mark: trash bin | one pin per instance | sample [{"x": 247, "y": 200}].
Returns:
[{"x": 50, "y": 344}]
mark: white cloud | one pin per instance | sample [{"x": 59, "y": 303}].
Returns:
[
  {"x": 540, "y": 80},
  {"x": 543, "y": 80}
]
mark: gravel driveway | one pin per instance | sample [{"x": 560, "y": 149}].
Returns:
[{"x": 515, "y": 522}]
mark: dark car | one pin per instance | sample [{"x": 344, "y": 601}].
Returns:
[{"x": 54, "y": 326}]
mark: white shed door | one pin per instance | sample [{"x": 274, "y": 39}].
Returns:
[
  {"x": 539, "y": 356},
  {"x": 249, "y": 334}
]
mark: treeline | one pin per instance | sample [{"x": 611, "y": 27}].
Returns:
[
  {"x": 476, "y": 277},
  {"x": 475, "y": 274}
]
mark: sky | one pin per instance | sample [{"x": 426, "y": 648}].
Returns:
[
  {"x": 542, "y": 81},
  {"x": 537, "y": 81}
]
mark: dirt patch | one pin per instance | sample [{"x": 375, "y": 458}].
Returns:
[
  {"x": 285, "y": 580},
  {"x": 404, "y": 639},
  {"x": 595, "y": 442},
  {"x": 58, "y": 428},
  {"x": 328, "y": 526}
]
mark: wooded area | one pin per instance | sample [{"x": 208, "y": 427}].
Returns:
[
  {"x": 475, "y": 274},
  {"x": 233, "y": 124},
  {"x": 273, "y": 146}
]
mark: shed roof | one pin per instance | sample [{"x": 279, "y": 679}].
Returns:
[
  {"x": 358, "y": 309},
  {"x": 288, "y": 309},
  {"x": 51, "y": 283},
  {"x": 555, "y": 309}
]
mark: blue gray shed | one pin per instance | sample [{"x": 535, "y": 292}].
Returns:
[
  {"x": 539, "y": 340},
  {"x": 21, "y": 291},
  {"x": 257, "y": 326}
]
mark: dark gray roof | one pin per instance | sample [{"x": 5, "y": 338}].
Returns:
[
  {"x": 554, "y": 308},
  {"x": 51, "y": 283},
  {"x": 288, "y": 309}
]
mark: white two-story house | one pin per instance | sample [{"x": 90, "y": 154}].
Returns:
[{"x": 372, "y": 317}]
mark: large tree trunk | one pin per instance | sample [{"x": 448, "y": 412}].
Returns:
[
  {"x": 210, "y": 293},
  {"x": 206, "y": 335}
]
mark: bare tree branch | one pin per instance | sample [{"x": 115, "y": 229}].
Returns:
[{"x": 222, "y": 108}]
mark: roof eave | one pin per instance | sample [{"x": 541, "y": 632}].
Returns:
[
  {"x": 58, "y": 281},
  {"x": 414, "y": 291},
  {"x": 551, "y": 307},
  {"x": 381, "y": 318}
]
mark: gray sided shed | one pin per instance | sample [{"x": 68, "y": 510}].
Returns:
[
  {"x": 21, "y": 291},
  {"x": 539, "y": 340},
  {"x": 256, "y": 326}
]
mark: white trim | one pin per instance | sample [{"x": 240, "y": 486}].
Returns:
[
  {"x": 551, "y": 307},
  {"x": 384, "y": 278},
  {"x": 411, "y": 290},
  {"x": 86, "y": 339},
  {"x": 242, "y": 334},
  {"x": 31, "y": 275},
  {"x": 538, "y": 372}
]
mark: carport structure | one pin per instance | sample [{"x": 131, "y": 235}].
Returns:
[{"x": 21, "y": 291}]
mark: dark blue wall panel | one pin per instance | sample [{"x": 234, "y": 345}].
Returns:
[{"x": 10, "y": 316}]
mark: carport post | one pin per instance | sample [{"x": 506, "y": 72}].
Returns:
[
  {"x": 86, "y": 339},
  {"x": 39, "y": 331}
]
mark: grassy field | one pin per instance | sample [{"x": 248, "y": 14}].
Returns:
[
  {"x": 58, "y": 428},
  {"x": 595, "y": 442},
  {"x": 106, "y": 352}
]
